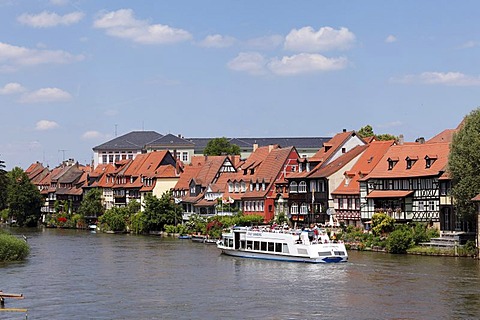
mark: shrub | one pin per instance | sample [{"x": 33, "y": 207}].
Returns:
[
  {"x": 12, "y": 248},
  {"x": 399, "y": 240}
]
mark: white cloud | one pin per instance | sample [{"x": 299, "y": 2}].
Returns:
[
  {"x": 46, "y": 95},
  {"x": 43, "y": 125},
  {"x": 217, "y": 41},
  {"x": 390, "y": 39},
  {"x": 470, "y": 44},
  {"x": 12, "y": 88},
  {"x": 123, "y": 24},
  {"x": 20, "y": 56},
  {"x": 250, "y": 62},
  {"x": 88, "y": 135},
  {"x": 439, "y": 78},
  {"x": 59, "y": 2},
  {"x": 306, "y": 63},
  {"x": 47, "y": 19},
  {"x": 307, "y": 39}
]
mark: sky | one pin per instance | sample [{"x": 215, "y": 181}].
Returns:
[{"x": 76, "y": 73}]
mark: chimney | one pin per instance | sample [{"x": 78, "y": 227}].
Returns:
[
  {"x": 420, "y": 140},
  {"x": 401, "y": 139},
  {"x": 255, "y": 147},
  {"x": 270, "y": 148},
  {"x": 344, "y": 130}
]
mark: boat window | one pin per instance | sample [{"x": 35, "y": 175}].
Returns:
[
  {"x": 302, "y": 251},
  {"x": 242, "y": 244},
  {"x": 278, "y": 247},
  {"x": 230, "y": 243},
  {"x": 249, "y": 244},
  {"x": 271, "y": 246},
  {"x": 256, "y": 245},
  {"x": 285, "y": 248},
  {"x": 263, "y": 246},
  {"x": 339, "y": 253},
  {"x": 324, "y": 254}
]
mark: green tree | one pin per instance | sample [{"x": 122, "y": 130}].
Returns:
[
  {"x": 382, "y": 223},
  {"x": 367, "y": 131},
  {"x": 220, "y": 146},
  {"x": 24, "y": 199},
  {"x": 3, "y": 185},
  {"x": 400, "y": 240},
  {"x": 91, "y": 205},
  {"x": 464, "y": 168},
  {"x": 160, "y": 212}
]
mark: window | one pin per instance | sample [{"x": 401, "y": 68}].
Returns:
[
  {"x": 313, "y": 185},
  {"x": 304, "y": 209},
  {"x": 344, "y": 150},
  {"x": 294, "y": 209},
  {"x": 110, "y": 158},
  {"x": 251, "y": 186},
  {"x": 302, "y": 187},
  {"x": 421, "y": 206},
  {"x": 293, "y": 187},
  {"x": 243, "y": 186},
  {"x": 104, "y": 158},
  {"x": 263, "y": 186},
  {"x": 237, "y": 186},
  {"x": 230, "y": 186},
  {"x": 431, "y": 205},
  {"x": 184, "y": 156}
]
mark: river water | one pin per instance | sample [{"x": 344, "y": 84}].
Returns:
[{"x": 80, "y": 275}]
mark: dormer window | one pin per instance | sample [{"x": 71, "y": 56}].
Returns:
[
  {"x": 252, "y": 171},
  {"x": 411, "y": 161},
  {"x": 392, "y": 162},
  {"x": 429, "y": 160},
  {"x": 230, "y": 186}
]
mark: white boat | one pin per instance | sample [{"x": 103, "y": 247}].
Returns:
[{"x": 284, "y": 245}]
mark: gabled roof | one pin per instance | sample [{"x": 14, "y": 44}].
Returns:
[
  {"x": 189, "y": 172},
  {"x": 364, "y": 165},
  {"x": 169, "y": 141},
  {"x": 444, "y": 136},
  {"x": 134, "y": 140},
  {"x": 333, "y": 145},
  {"x": 36, "y": 172},
  {"x": 418, "y": 168},
  {"x": 337, "y": 164},
  {"x": 210, "y": 169}
]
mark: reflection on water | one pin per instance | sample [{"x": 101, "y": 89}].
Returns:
[{"x": 81, "y": 275}]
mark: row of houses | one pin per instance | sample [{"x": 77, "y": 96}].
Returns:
[{"x": 347, "y": 179}]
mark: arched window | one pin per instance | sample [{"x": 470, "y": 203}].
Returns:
[
  {"x": 230, "y": 186},
  {"x": 293, "y": 187},
  {"x": 294, "y": 209},
  {"x": 237, "y": 186},
  {"x": 243, "y": 186},
  {"x": 304, "y": 209},
  {"x": 302, "y": 187}
]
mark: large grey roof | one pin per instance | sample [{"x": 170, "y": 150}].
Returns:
[
  {"x": 131, "y": 141},
  {"x": 170, "y": 140},
  {"x": 297, "y": 142}
]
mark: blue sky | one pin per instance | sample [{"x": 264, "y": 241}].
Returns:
[{"x": 75, "y": 72}]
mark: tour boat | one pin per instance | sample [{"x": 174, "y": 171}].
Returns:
[{"x": 282, "y": 244}]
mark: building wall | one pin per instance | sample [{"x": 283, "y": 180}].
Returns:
[{"x": 163, "y": 185}]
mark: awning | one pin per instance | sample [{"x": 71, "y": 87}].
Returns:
[{"x": 389, "y": 194}]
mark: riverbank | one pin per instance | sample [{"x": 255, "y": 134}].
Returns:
[{"x": 12, "y": 248}]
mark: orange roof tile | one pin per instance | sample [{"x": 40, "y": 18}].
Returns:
[
  {"x": 418, "y": 169},
  {"x": 365, "y": 164}
]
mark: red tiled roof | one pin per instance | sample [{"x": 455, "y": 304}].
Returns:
[
  {"x": 444, "y": 136},
  {"x": 365, "y": 164},
  {"x": 389, "y": 193},
  {"x": 418, "y": 169},
  {"x": 337, "y": 164},
  {"x": 331, "y": 146}
]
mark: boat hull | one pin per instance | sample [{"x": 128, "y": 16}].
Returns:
[{"x": 277, "y": 257}]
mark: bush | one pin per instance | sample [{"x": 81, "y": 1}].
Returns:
[
  {"x": 12, "y": 248},
  {"x": 400, "y": 240}
]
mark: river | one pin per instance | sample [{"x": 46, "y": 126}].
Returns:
[{"x": 74, "y": 274}]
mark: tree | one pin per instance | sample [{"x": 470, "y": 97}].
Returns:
[
  {"x": 367, "y": 131},
  {"x": 382, "y": 223},
  {"x": 91, "y": 205},
  {"x": 220, "y": 146},
  {"x": 24, "y": 199},
  {"x": 160, "y": 212},
  {"x": 3, "y": 185},
  {"x": 464, "y": 168}
]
